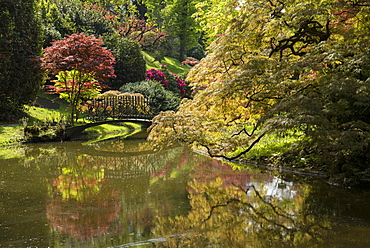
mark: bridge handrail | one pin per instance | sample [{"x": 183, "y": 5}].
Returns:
[{"x": 118, "y": 107}]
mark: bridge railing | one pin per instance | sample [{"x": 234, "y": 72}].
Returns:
[{"x": 119, "y": 107}]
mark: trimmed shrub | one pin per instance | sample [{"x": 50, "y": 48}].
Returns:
[
  {"x": 154, "y": 91},
  {"x": 130, "y": 64}
]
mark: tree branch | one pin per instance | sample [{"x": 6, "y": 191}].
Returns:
[{"x": 237, "y": 156}]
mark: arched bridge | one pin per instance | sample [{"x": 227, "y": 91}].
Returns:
[
  {"x": 120, "y": 107},
  {"x": 125, "y": 108}
]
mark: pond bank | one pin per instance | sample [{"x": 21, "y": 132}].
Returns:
[{"x": 49, "y": 113}]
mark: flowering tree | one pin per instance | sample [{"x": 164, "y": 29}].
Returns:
[
  {"x": 147, "y": 34},
  {"x": 81, "y": 65}
]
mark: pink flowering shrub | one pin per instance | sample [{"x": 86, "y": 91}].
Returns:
[
  {"x": 157, "y": 75},
  {"x": 168, "y": 79}
]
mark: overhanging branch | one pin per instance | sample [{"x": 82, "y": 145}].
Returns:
[{"x": 236, "y": 156}]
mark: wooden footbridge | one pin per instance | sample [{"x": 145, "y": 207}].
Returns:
[{"x": 114, "y": 109}]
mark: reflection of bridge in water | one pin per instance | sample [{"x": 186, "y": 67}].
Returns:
[
  {"x": 114, "y": 109},
  {"x": 128, "y": 164},
  {"x": 131, "y": 166}
]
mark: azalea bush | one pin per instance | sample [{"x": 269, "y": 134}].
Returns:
[
  {"x": 169, "y": 80},
  {"x": 157, "y": 75}
]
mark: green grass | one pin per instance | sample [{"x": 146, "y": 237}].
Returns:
[
  {"x": 37, "y": 114},
  {"x": 10, "y": 134},
  {"x": 172, "y": 64},
  {"x": 270, "y": 146},
  {"x": 63, "y": 105},
  {"x": 13, "y": 133}
]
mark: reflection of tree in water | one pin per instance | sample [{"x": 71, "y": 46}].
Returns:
[
  {"x": 82, "y": 203},
  {"x": 79, "y": 179},
  {"x": 236, "y": 216},
  {"x": 92, "y": 217}
]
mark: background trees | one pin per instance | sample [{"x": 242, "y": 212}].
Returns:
[
  {"x": 65, "y": 17},
  {"x": 20, "y": 39},
  {"x": 181, "y": 24},
  {"x": 175, "y": 18}
]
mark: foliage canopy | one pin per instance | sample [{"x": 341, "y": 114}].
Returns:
[{"x": 283, "y": 66}]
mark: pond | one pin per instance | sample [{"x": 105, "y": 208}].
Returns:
[{"x": 120, "y": 193}]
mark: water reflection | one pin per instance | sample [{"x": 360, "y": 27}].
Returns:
[
  {"x": 236, "y": 209},
  {"x": 82, "y": 204},
  {"x": 120, "y": 193}
]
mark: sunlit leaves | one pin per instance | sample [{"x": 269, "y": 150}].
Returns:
[
  {"x": 281, "y": 66},
  {"x": 214, "y": 16}
]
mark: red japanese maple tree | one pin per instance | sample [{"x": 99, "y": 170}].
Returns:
[{"x": 81, "y": 65}]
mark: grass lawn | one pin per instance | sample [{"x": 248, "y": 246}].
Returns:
[
  {"x": 13, "y": 133},
  {"x": 10, "y": 134},
  {"x": 172, "y": 64}
]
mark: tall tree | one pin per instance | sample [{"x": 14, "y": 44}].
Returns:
[
  {"x": 175, "y": 17},
  {"x": 283, "y": 66},
  {"x": 181, "y": 24},
  {"x": 20, "y": 44}
]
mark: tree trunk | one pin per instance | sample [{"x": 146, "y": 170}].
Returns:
[{"x": 182, "y": 48}]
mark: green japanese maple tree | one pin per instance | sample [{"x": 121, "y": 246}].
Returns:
[
  {"x": 81, "y": 65},
  {"x": 299, "y": 67}
]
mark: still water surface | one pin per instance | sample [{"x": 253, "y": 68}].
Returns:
[{"x": 120, "y": 193}]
